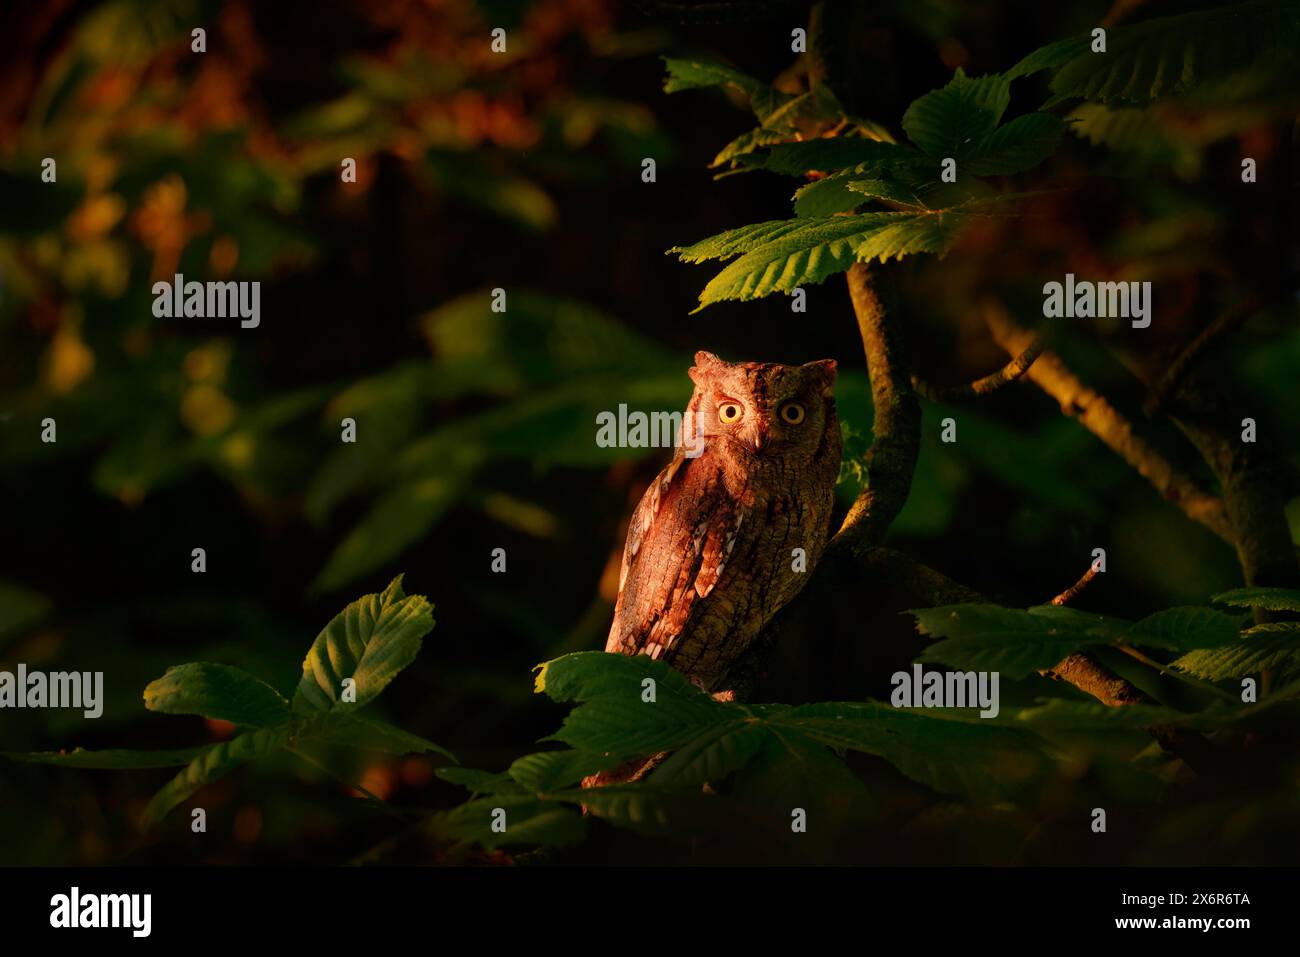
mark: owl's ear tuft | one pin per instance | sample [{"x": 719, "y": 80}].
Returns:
[
  {"x": 823, "y": 372},
  {"x": 703, "y": 358},
  {"x": 704, "y": 362}
]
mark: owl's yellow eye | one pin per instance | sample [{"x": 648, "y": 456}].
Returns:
[
  {"x": 793, "y": 413},
  {"x": 729, "y": 412}
]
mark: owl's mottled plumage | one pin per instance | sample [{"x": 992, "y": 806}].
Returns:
[{"x": 709, "y": 556}]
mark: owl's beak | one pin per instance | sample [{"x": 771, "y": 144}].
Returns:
[{"x": 760, "y": 438}]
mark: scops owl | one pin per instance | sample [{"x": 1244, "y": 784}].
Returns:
[{"x": 712, "y": 548}]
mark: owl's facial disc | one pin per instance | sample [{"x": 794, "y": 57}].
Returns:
[{"x": 761, "y": 409}]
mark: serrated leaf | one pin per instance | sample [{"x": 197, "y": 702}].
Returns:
[
  {"x": 791, "y": 769},
  {"x": 747, "y": 143},
  {"x": 212, "y": 763},
  {"x": 370, "y": 641},
  {"x": 826, "y": 197},
  {"x": 686, "y": 74},
  {"x": 713, "y": 755},
  {"x": 736, "y": 241},
  {"x": 991, "y": 638},
  {"x": 1048, "y": 57},
  {"x": 1272, "y": 599},
  {"x": 527, "y": 820},
  {"x": 481, "y": 782},
  {"x": 217, "y": 691},
  {"x": 1103, "y": 627},
  {"x": 551, "y": 770},
  {"x": 1185, "y": 629},
  {"x": 652, "y": 811},
  {"x": 806, "y": 114},
  {"x": 1171, "y": 55},
  {"x": 902, "y": 179},
  {"x": 1016, "y": 643},
  {"x": 778, "y": 256},
  {"x": 803, "y": 254},
  {"x": 927, "y": 232},
  {"x": 826, "y": 154},
  {"x": 1262, "y": 647},
  {"x": 984, "y": 761},
  {"x": 612, "y": 718},
  {"x": 1087, "y": 717},
  {"x": 1019, "y": 145},
  {"x": 586, "y": 675},
  {"x": 949, "y": 121},
  {"x": 888, "y": 189}
]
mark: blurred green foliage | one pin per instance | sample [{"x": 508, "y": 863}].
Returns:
[{"x": 475, "y": 428}]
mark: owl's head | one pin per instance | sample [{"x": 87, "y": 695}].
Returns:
[{"x": 764, "y": 408}]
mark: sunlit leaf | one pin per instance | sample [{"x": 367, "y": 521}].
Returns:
[
  {"x": 1262, "y": 647},
  {"x": 369, "y": 642},
  {"x": 217, "y": 691},
  {"x": 1273, "y": 599}
]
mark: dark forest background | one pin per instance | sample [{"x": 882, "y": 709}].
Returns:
[{"x": 521, "y": 172}]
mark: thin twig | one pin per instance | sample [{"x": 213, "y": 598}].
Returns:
[
  {"x": 1173, "y": 377},
  {"x": 1067, "y": 596},
  {"x": 1009, "y": 373},
  {"x": 1095, "y": 413},
  {"x": 1256, "y": 481}
]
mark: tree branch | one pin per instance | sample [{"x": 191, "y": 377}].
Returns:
[
  {"x": 1103, "y": 420},
  {"x": 1256, "y": 482},
  {"x": 1091, "y": 677},
  {"x": 1173, "y": 376},
  {"x": 855, "y": 553},
  {"x": 1011, "y": 372},
  {"x": 896, "y": 428},
  {"x": 891, "y": 461}
]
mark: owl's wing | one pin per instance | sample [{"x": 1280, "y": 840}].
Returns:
[{"x": 678, "y": 542}]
